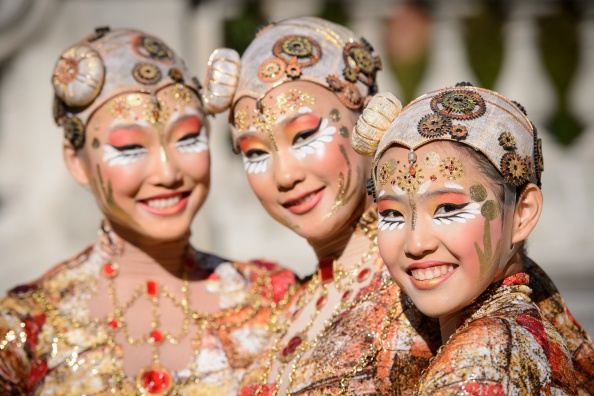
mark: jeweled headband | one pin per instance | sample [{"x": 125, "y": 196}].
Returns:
[
  {"x": 477, "y": 117},
  {"x": 306, "y": 49},
  {"x": 108, "y": 63}
]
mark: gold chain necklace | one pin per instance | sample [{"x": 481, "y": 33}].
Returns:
[{"x": 298, "y": 344}]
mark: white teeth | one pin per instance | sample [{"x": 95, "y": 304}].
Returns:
[
  {"x": 163, "y": 203},
  {"x": 431, "y": 273},
  {"x": 303, "y": 200}
]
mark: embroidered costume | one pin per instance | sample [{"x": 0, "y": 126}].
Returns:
[
  {"x": 50, "y": 345},
  {"x": 504, "y": 347}
]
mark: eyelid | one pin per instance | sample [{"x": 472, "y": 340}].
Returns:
[
  {"x": 128, "y": 147},
  {"x": 306, "y": 131}
]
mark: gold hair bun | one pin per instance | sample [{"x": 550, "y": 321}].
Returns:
[
  {"x": 221, "y": 76},
  {"x": 78, "y": 76},
  {"x": 376, "y": 118}
]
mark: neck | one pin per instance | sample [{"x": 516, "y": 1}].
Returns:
[{"x": 151, "y": 257}]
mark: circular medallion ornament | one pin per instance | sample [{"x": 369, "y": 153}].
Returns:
[
  {"x": 154, "y": 380},
  {"x": 298, "y": 46},
  {"x": 350, "y": 96},
  {"x": 78, "y": 76},
  {"x": 363, "y": 59},
  {"x": 304, "y": 50},
  {"x": 74, "y": 131},
  {"x": 434, "y": 125},
  {"x": 478, "y": 192},
  {"x": 271, "y": 70},
  {"x": 459, "y": 132},
  {"x": 176, "y": 75},
  {"x": 459, "y": 104},
  {"x": 513, "y": 168},
  {"x": 507, "y": 141},
  {"x": 490, "y": 210},
  {"x": 334, "y": 82},
  {"x": 430, "y": 160},
  {"x": 146, "y": 73},
  {"x": 152, "y": 48},
  {"x": 451, "y": 168}
]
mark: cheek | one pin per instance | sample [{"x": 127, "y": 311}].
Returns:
[
  {"x": 262, "y": 186},
  {"x": 195, "y": 165}
]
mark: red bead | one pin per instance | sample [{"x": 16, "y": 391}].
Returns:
[
  {"x": 110, "y": 270},
  {"x": 412, "y": 171},
  {"x": 326, "y": 269},
  {"x": 156, "y": 337},
  {"x": 433, "y": 177},
  {"x": 321, "y": 301},
  {"x": 114, "y": 323},
  {"x": 156, "y": 381},
  {"x": 292, "y": 345},
  {"x": 151, "y": 288},
  {"x": 363, "y": 274},
  {"x": 213, "y": 277}
]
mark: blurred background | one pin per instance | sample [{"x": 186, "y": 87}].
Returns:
[{"x": 537, "y": 52}]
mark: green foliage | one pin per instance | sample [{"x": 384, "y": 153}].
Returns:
[
  {"x": 334, "y": 11},
  {"x": 240, "y": 31}
]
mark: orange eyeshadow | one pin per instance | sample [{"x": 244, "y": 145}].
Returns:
[
  {"x": 125, "y": 137},
  {"x": 251, "y": 142},
  {"x": 303, "y": 123}
]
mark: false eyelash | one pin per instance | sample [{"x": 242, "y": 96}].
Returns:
[
  {"x": 468, "y": 212},
  {"x": 115, "y": 157},
  {"x": 194, "y": 144}
]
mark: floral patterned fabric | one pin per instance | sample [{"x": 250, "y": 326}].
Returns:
[
  {"x": 504, "y": 347},
  {"x": 50, "y": 346},
  {"x": 410, "y": 342},
  {"x": 553, "y": 308}
]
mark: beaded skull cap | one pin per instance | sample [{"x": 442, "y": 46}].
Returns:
[
  {"x": 477, "y": 117},
  {"x": 108, "y": 63}
]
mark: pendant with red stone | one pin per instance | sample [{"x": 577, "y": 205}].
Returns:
[
  {"x": 326, "y": 269},
  {"x": 154, "y": 380},
  {"x": 289, "y": 350},
  {"x": 114, "y": 323},
  {"x": 321, "y": 301},
  {"x": 346, "y": 295},
  {"x": 110, "y": 270}
]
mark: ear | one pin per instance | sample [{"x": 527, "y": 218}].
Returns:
[
  {"x": 75, "y": 163},
  {"x": 527, "y": 212}
]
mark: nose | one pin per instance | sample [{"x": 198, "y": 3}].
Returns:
[
  {"x": 165, "y": 172},
  {"x": 288, "y": 171},
  {"x": 420, "y": 239}
]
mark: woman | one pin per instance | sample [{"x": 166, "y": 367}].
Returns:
[
  {"x": 456, "y": 175},
  {"x": 139, "y": 311},
  {"x": 302, "y": 84}
]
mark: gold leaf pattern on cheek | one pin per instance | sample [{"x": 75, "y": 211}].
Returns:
[
  {"x": 105, "y": 196},
  {"x": 341, "y": 197},
  {"x": 487, "y": 258},
  {"x": 96, "y": 143},
  {"x": 334, "y": 115}
]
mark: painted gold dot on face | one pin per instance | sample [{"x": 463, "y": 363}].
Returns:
[
  {"x": 490, "y": 210},
  {"x": 334, "y": 115},
  {"x": 478, "y": 193},
  {"x": 344, "y": 132},
  {"x": 96, "y": 143}
]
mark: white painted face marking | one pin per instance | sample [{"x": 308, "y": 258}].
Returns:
[
  {"x": 255, "y": 165},
  {"x": 398, "y": 190},
  {"x": 459, "y": 216},
  {"x": 390, "y": 222},
  {"x": 423, "y": 188},
  {"x": 453, "y": 185},
  {"x": 317, "y": 142},
  {"x": 304, "y": 110},
  {"x": 381, "y": 193},
  {"x": 114, "y": 157},
  {"x": 194, "y": 144}
]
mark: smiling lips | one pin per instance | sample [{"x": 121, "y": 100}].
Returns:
[
  {"x": 305, "y": 202},
  {"x": 165, "y": 204},
  {"x": 430, "y": 274}
]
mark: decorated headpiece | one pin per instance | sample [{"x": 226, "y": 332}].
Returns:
[
  {"x": 108, "y": 63},
  {"x": 306, "y": 49},
  {"x": 477, "y": 117}
]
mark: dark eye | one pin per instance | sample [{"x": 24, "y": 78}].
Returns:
[
  {"x": 254, "y": 153},
  {"x": 128, "y": 147},
  {"x": 449, "y": 207},
  {"x": 390, "y": 213},
  {"x": 189, "y": 136},
  {"x": 304, "y": 135}
]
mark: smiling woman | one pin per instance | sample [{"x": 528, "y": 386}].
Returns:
[
  {"x": 140, "y": 311},
  {"x": 457, "y": 176}
]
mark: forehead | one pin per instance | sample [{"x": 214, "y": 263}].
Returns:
[{"x": 434, "y": 157}]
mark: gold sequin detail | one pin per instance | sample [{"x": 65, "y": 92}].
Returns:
[
  {"x": 451, "y": 168},
  {"x": 119, "y": 107},
  {"x": 240, "y": 121},
  {"x": 478, "y": 193},
  {"x": 430, "y": 159},
  {"x": 293, "y": 99}
]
